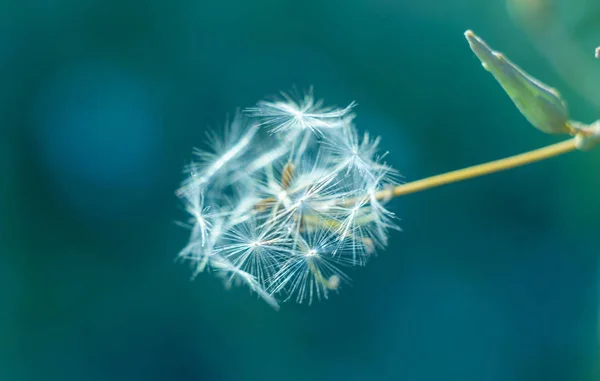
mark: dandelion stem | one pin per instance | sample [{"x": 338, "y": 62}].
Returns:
[{"x": 479, "y": 170}]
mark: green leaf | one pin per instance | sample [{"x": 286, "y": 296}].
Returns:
[{"x": 540, "y": 104}]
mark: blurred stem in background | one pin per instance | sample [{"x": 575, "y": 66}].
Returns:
[
  {"x": 540, "y": 19},
  {"x": 539, "y": 103}
]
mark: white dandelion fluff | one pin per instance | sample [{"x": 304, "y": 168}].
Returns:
[
  {"x": 223, "y": 157},
  {"x": 288, "y": 114},
  {"x": 310, "y": 270},
  {"x": 351, "y": 152},
  {"x": 287, "y": 199}
]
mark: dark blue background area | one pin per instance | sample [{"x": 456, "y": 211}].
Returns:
[{"x": 101, "y": 104}]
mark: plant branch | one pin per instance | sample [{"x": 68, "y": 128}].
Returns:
[{"x": 479, "y": 170}]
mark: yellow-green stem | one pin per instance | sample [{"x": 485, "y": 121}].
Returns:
[{"x": 478, "y": 170}]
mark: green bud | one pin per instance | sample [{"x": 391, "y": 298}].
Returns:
[{"x": 540, "y": 104}]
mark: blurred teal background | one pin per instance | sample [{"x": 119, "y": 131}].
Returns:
[{"x": 102, "y": 102}]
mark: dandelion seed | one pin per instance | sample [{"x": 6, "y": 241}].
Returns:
[
  {"x": 256, "y": 249},
  {"x": 350, "y": 153},
  {"x": 288, "y": 114},
  {"x": 234, "y": 274},
  {"x": 311, "y": 271},
  {"x": 200, "y": 216},
  {"x": 267, "y": 158},
  {"x": 225, "y": 151}
]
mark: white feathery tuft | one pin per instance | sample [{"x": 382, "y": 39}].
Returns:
[{"x": 287, "y": 200}]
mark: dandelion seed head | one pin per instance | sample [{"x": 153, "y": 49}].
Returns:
[{"x": 286, "y": 199}]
